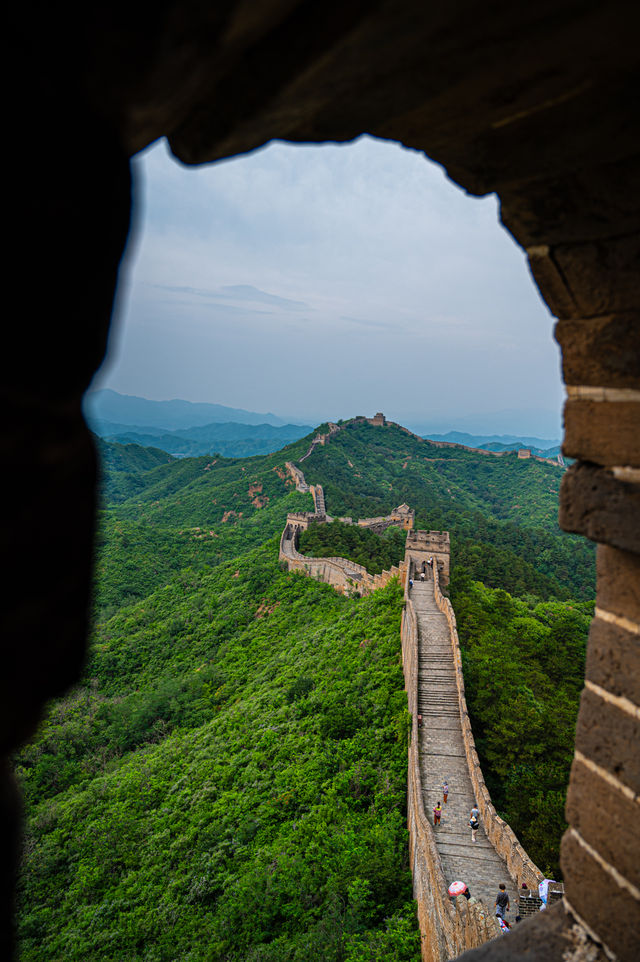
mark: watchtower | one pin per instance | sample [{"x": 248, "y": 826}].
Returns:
[
  {"x": 403, "y": 515},
  {"x": 425, "y": 548}
]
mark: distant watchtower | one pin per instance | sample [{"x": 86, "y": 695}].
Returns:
[
  {"x": 379, "y": 420},
  {"x": 404, "y": 515},
  {"x": 423, "y": 545}
]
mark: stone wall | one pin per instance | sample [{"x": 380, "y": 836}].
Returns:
[
  {"x": 297, "y": 475},
  {"x": 344, "y": 575},
  {"x": 520, "y": 866},
  {"x": 447, "y": 927},
  {"x": 423, "y": 545}
]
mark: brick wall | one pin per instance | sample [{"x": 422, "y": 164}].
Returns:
[
  {"x": 447, "y": 927},
  {"x": 503, "y": 839}
]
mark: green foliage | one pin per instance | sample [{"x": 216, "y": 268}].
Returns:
[
  {"x": 500, "y": 511},
  {"x": 228, "y": 782},
  {"x": 375, "y": 552}
]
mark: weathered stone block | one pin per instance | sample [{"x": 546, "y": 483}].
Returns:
[
  {"x": 619, "y": 582},
  {"x": 551, "y": 283},
  {"x": 609, "y": 737},
  {"x": 609, "y": 910},
  {"x": 598, "y": 202},
  {"x": 602, "y": 276},
  {"x": 601, "y": 351},
  {"x": 595, "y": 503},
  {"x": 606, "y": 818},
  {"x": 613, "y": 659},
  {"x": 550, "y": 936},
  {"x": 605, "y": 432}
]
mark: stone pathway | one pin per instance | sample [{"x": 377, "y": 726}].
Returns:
[{"x": 442, "y": 756}]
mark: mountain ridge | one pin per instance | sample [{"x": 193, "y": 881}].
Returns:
[{"x": 108, "y": 405}]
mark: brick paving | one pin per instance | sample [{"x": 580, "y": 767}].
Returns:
[{"x": 442, "y": 756}]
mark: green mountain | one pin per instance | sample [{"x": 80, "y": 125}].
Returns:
[
  {"x": 228, "y": 779},
  {"x": 231, "y": 440}
]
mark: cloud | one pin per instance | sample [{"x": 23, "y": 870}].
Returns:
[
  {"x": 363, "y": 322},
  {"x": 247, "y": 292},
  {"x": 408, "y": 285}
]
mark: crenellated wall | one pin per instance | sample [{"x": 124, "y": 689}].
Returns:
[
  {"x": 499, "y": 833},
  {"x": 447, "y": 927},
  {"x": 344, "y": 575}
]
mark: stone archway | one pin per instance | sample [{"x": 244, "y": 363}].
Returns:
[{"x": 534, "y": 102}]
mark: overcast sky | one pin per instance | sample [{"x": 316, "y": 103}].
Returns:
[{"x": 324, "y": 282}]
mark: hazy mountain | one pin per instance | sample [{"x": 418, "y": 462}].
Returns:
[
  {"x": 124, "y": 409},
  {"x": 230, "y": 439},
  {"x": 498, "y": 442}
]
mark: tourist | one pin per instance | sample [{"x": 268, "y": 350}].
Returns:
[
  {"x": 502, "y": 901},
  {"x": 445, "y": 791},
  {"x": 474, "y": 822},
  {"x": 437, "y": 812}
]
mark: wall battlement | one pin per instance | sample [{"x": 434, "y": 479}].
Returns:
[{"x": 448, "y": 926}]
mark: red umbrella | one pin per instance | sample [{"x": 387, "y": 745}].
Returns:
[{"x": 457, "y": 888}]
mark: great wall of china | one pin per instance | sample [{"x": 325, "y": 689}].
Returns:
[{"x": 441, "y": 747}]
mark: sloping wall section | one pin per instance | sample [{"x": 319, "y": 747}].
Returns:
[{"x": 448, "y": 926}]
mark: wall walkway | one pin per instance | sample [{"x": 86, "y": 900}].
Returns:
[{"x": 442, "y": 748}]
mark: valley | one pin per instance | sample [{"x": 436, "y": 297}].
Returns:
[{"x": 229, "y": 778}]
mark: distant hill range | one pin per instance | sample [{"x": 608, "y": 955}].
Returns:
[
  {"x": 184, "y": 429},
  {"x": 108, "y": 405},
  {"x": 540, "y": 447}
]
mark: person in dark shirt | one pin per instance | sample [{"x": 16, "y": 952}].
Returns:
[{"x": 502, "y": 901}]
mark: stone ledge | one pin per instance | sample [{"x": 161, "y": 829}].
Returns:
[
  {"x": 609, "y": 737},
  {"x": 601, "y": 351},
  {"x": 618, "y": 582},
  {"x": 596, "y": 504},
  {"x": 607, "y": 818},
  {"x": 613, "y": 659},
  {"x": 605, "y": 432},
  {"x": 605, "y": 907},
  {"x": 550, "y": 936}
]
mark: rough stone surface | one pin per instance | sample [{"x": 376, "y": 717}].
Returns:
[
  {"x": 598, "y": 202},
  {"x": 602, "y": 276},
  {"x": 605, "y": 432},
  {"x": 601, "y": 351},
  {"x": 606, "y": 816},
  {"x": 551, "y": 283},
  {"x": 613, "y": 659},
  {"x": 611, "y": 910},
  {"x": 595, "y": 503},
  {"x": 609, "y": 736},
  {"x": 618, "y": 582},
  {"x": 551, "y": 935}
]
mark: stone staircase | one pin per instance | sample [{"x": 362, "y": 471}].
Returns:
[{"x": 442, "y": 757}]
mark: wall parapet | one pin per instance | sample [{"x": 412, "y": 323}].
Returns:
[
  {"x": 344, "y": 575},
  {"x": 501, "y": 836},
  {"x": 447, "y": 927}
]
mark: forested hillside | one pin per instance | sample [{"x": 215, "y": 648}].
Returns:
[{"x": 228, "y": 780}]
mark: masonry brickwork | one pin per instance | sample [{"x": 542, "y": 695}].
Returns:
[{"x": 448, "y": 926}]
